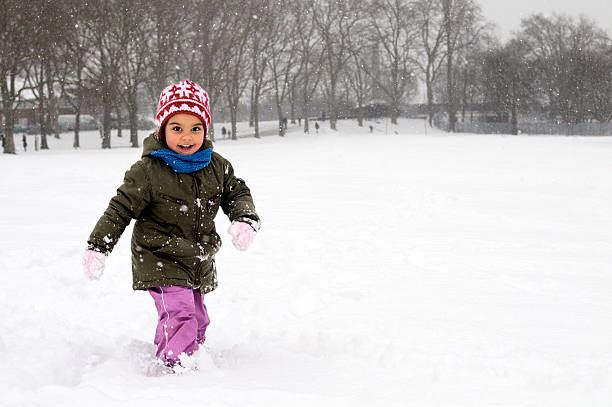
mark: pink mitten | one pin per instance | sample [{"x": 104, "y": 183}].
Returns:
[
  {"x": 242, "y": 235},
  {"x": 93, "y": 264}
]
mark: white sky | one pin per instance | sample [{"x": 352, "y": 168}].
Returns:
[{"x": 508, "y": 14}]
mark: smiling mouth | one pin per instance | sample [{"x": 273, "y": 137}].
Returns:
[{"x": 186, "y": 146}]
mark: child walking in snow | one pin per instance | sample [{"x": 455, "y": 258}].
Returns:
[{"x": 174, "y": 193}]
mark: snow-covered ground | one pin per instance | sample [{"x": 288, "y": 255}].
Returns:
[{"x": 391, "y": 270}]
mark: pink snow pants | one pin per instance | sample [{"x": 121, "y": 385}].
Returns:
[{"x": 182, "y": 322}]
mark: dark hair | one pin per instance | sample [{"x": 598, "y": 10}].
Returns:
[{"x": 161, "y": 136}]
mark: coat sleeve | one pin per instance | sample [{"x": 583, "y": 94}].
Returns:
[
  {"x": 236, "y": 200},
  {"x": 132, "y": 198}
]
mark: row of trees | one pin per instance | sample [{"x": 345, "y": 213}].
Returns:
[
  {"x": 344, "y": 52},
  {"x": 106, "y": 51},
  {"x": 556, "y": 67}
]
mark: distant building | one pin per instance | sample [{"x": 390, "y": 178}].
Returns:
[
  {"x": 481, "y": 113},
  {"x": 373, "y": 110},
  {"x": 28, "y": 113}
]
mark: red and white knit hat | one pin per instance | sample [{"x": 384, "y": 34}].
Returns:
[{"x": 183, "y": 97}]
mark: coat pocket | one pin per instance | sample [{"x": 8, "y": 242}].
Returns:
[
  {"x": 169, "y": 209},
  {"x": 173, "y": 199},
  {"x": 180, "y": 251}
]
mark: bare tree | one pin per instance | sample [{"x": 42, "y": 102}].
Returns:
[
  {"x": 105, "y": 57},
  {"x": 335, "y": 21},
  {"x": 72, "y": 61},
  {"x": 507, "y": 79},
  {"x": 310, "y": 56},
  {"x": 134, "y": 59},
  {"x": 360, "y": 83},
  {"x": 39, "y": 78},
  {"x": 260, "y": 39},
  {"x": 391, "y": 28},
  {"x": 237, "y": 70},
  {"x": 599, "y": 73},
  {"x": 365, "y": 68},
  {"x": 207, "y": 51},
  {"x": 554, "y": 47},
  {"x": 166, "y": 33},
  {"x": 461, "y": 20},
  {"x": 281, "y": 57},
  {"x": 468, "y": 67},
  {"x": 43, "y": 72},
  {"x": 53, "y": 111},
  {"x": 36, "y": 79},
  {"x": 431, "y": 55},
  {"x": 15, "y": 25}
]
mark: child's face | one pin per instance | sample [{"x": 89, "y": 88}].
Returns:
[{"x": 184, "y": 133}]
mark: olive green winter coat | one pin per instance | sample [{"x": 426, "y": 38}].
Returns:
[{"x": 174, "y": 239}]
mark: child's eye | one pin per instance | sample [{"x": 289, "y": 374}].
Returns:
[
  {"x": 196, "y": 128},
  {"x": 176, "y": 128}
]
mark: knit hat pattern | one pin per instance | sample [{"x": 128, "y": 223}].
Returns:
[{"x": 183, "y": 97}]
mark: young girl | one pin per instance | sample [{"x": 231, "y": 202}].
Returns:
[{"x": 174, "y": 193}]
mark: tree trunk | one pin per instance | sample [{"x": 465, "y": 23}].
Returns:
[
  {"x": 255, "y": 110},
  {"x": 53, "y": 105},
  {"x": 252, "y": 105},
  {"x": 106, "y": 121},
  {"x": 233, "y": 118},
  {"x": 430, "y": 104},
  {"x": 360, "y": 99},
  {"x": 9, "y": 122},
  {"x": 514, "y": 119},
  {"x": 292, "y": 102},
  {"x": 394, "y": 112},
  {"x": 56, "y": 127},
  {"x": 233, "y": 98},
  {"x": 211, "y": 129},
  {"x": 306, "y": 104},
  {"x": 281, "y": 126},
  {"x": 451, "y": 110},
  {"x": 119, "y": 122},
  {"x": 44, "y": 145},
  {"x": 77, "y": 107},
  {"x": 306, "y": 109},
  {"x": 464, "y": 96},
  {"x": 45, "y": 127},
  {"x": 42, "y": 118},
  {"x": 450, "y": 106},
  {"x": 394, "y": 92},
  {"x": 395, "y": 102},
  {"x": 234, "y": 126},
  {"x": 333, "y": 114},
  {"x": 77, "y": 128},
  {"x": 133, "y": 114},
  {"x": 255, "y": 93}
]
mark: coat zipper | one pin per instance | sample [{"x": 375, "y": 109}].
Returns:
[{"x": 196, "y": 231}]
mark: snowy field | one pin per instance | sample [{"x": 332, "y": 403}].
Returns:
[{"x": 391, "y": 270}]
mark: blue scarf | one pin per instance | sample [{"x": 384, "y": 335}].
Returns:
[{"x": 185, "y": 163}]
